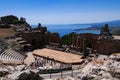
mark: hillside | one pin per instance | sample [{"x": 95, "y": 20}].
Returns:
[
  {"x": 97, "y": 26},
  {"x": 114, "y": 23},
  {"x": 6, "y": 32}
]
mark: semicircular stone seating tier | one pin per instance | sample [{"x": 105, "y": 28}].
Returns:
[{"x": 10, "y": 56}]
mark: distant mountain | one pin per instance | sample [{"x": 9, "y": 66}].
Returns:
[
  {"x": 114, "y": 23},
  {"x": 97, "y": 26}
]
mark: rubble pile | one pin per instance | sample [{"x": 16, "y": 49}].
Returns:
[
  {"x": 101, "y": 69},
  {"x": 20, "y": 72}
]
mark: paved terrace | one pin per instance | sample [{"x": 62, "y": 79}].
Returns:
[{"x": 63, "y": 57}]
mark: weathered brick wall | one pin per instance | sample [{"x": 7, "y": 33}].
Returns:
[
  {"x": 102, "y": 46},
  {"x": 8, "y": 19},
  {"x": 40, "y": 38},
  {"x": 83, "y": 39},
  {"x": 109, "y": 46},
  {"x": 54, "y": 38},
  {"x": 36, "y": 36}
]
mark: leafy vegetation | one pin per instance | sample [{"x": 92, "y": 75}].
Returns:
[
  {"x": 21, "y": 21},
  {"x": 18, "y": 22},
  {"x": 67, "y": 39}
]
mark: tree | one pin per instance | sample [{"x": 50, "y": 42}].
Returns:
[{"x": 67, "y": 39}]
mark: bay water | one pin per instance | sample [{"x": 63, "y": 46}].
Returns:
[{"x": 68, "y": 28}]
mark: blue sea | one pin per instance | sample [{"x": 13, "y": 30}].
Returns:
[{"x": 66, "y": 29}]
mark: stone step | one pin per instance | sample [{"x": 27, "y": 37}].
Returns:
[{"x": 11, "y": 56}]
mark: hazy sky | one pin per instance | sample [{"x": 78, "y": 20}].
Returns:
[{"x": 62, "y": 11}]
